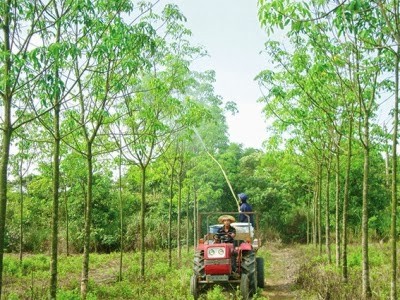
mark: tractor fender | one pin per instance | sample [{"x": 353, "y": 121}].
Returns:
[
  {"x": 201, "y": 247},
  {"x": 245, "y": 246}
]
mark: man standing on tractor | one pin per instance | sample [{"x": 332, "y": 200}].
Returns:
[{"x": 244, "y": 208}]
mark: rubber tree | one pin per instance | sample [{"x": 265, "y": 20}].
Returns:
[
  {"x": 154, "y": 108},
  {"x": 21, "y": 164},
  {"x": 393, "y": 293},
  {"x": 306, "y": 83},
  {"x": 113, "y": 54},
  {"x": 18, "y": 76},
  {"x": 173, "y": 161},
  {"x": 151, "y": 120},
  {"x": 390, "y": 13},
  {"x": 169, "y": 165},
  {"x": 52, "y": 92},
  {"x": 366, "y": 84},
  {"x": 63, "y": 42},
  {"x": 181, "y": 172}
]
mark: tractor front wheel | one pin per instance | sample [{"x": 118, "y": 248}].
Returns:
[
  {"x": 244, "y": 286},
  {"x": 194, "y": 289},
  {"x": 249, "y": 268},
  {"x": 198, "y": 263}
]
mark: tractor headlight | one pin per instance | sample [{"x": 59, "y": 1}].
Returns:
[{"x": 216, "y": 252}]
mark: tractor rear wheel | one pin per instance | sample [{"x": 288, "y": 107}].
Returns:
[
  {"x": 244, "y": 286},
  {"x": 249, "y": 268},
  {"x": 260, "y": 272}
]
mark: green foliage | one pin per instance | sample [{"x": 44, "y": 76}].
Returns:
[
  {"x": 128, "y": 85},
  {"x": 12, "y": 266},
  {"x": 68, "y": 295},
  {"x": 215, "y": 293},
  {"x": 354, "y": 259}
]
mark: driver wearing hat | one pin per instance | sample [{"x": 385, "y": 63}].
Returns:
[{"x": 229, "y": 230}]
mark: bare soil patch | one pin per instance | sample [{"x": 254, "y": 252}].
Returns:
[{"x": 282, "y": 270}]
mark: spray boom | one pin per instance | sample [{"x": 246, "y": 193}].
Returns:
[{"x": 222, "y": 170}]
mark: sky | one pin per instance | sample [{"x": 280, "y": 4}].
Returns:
[{"x": 230, "y": 32}]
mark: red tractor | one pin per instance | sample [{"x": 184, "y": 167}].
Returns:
[{"x": 219, "y": 262}]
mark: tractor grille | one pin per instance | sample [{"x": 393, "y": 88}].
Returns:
[{"x": 210, "y": 262}]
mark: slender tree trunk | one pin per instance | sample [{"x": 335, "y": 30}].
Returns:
[
  {"x": 393, "y": 289},
  {"x": 319, "y": 210},
  {"x": 179, "y": 221},
  {"x": 337, "y": 206},
  {"x": 6, "y": 138},
  {"x": 56, "y": 186},
  {"x": 88, "y": 220},
  {"x": 308, "y": 222},
  {"x": 56, "y": 181},
  {"x": 327, "y": 217},
  {"x": 142, "y": 223},
  {"x": 365, "y": 107},
  {"x": 396, "y": 35},
  {"x": 387, "y": 163},
  {"x": 121, "y": 216},
  {"x": 366, "y": 289},
  {"x": 171, "y": 196},
  {"x": 195, "y": 218},
  {"x": 345, "y": 274},
  {"x": 6, "y": 131},
  {"x": 66, "y": 219},
  {"x": 187, "y": 222},
  {"x": 178, "y": 238},
  {"x": 21, "y": 214},
  {"x": 315, "y": 215}
]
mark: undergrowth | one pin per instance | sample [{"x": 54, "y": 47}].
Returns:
[
  {"x": 325, "y": 280},
  {"x": 30, "y": 279}
]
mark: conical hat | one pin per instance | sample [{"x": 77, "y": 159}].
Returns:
[{"x": 224, "y": 217}]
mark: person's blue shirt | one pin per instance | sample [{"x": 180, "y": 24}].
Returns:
[{"x": 245, "y": 207}]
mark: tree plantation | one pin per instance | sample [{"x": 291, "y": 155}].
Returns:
[{"x": 112, "y": 144}]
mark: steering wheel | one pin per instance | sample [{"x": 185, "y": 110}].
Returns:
[{"x": 223, "y": 237}]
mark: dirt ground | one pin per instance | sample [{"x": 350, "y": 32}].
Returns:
[{"x": 281, "y": 272}]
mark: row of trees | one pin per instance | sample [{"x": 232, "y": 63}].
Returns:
[
  {"x": 107, "y": 133},
  {"x": 325, "y": 94},
  {"x": 91, "y": 89}
]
